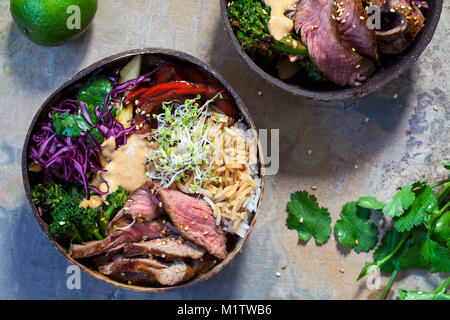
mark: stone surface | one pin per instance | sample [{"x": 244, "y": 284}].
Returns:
[{"x": 357, "y": 148}]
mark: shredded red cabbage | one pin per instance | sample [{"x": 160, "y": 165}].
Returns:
[{"x": 73, "y": 159}]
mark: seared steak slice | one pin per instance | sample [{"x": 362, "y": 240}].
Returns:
[
  {"x": 166, "y": 248},
  {"x": 401, "y": 22},
  {"x": 354, "y": 30},
  {"x": 141, "y": 204},
  {"x": 313, "y": 20},
  {"x": 194, "y": 220},
  {"x": 165, "y": 274},
  {"x": 119, "y": 238}
]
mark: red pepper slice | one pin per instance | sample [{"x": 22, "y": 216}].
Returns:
[{"x": 132, "y": 96}]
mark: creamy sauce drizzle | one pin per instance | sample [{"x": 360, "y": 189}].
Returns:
[
  {"x": 279, "y": 25},
  {"x": 125, "y": 168},
  {"x": 93, "y": 202},
  {"x": 127, "y": 165}
]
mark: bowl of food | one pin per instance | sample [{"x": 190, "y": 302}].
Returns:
[
  {"x": 328, "y": 50},
  {"x": 144, "y": 170}
]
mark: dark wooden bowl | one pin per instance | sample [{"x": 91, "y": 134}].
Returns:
[
  {"x": 391, "y": 66},
  {"x": 111, "y": 63}
]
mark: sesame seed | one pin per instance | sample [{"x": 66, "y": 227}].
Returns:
[
  {"x": 356, "y": 241},
  {"x": 278, "y": 274},
  {"x": 314, "y": 187},
  {"x": 284, "y": 266},
  {"x": 341, "y": 270}
]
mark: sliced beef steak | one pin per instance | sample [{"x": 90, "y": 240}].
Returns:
[
  {"x": 166, "y": 274},
  {"x": 195, "y": 221},
  {"x": 354, "y": 30},
  {"x": 142, "y": 204},
  {"x": 166, "y": 248},
  {"x": 401, "y": 22},
  {"x": 119, "y": 238},
  {"x": 313, "y": 20}
]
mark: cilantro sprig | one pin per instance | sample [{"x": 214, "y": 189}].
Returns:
[{"x": 419, "y": 237}]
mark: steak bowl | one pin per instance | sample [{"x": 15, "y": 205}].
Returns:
[
  {"x": 392, "y": 66},
  {"x": 115, "y": 62}
]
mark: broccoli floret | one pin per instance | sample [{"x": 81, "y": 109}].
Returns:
[
  {"x": 48, "y": 195},
  {"x": 249, "y": 19},
  {"x": 114, "y": 202},
  {"x": 69, "y": 220}
]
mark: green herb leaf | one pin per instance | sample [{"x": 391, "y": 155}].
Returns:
[
  {"x": 391, "y": 240},
  {"x": 370, "y": 203},
  {"x": 308, "y": 218},
  {"x": 438, "y": 294},
  {"x": 94, "y": 92},
  {"x": 354, "y": 230},
  {"x": 426, "y": 254},
  {"x": 69, "y": 125},
  {"x": 422, "y": 206},
  {"x": 396, "y": 206},
  {"x": 446, "y": 165}
]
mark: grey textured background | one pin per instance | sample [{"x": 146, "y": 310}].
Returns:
[{"x": 357, "y": 148}]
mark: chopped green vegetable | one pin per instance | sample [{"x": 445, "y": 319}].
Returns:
[
  {"x": 69, "y": 125},
  {"x": 354, "y": 230},
  {"x": 94, "y": 92},
  {"x": 438, "y": 294},
  {"x": 114, "y": 202},
  {"x": 48, "y": 195},
  {"x": 69, "y": 220},
  {"x": 308, "y": 218}
]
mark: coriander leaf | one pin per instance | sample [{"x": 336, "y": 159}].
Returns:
[
  {"x": 354, "y": 230},
  {"x": 438, "y": 294},
  {"x": 370, "y": 203},
  {"x": 422, "y": 206},
  {"x": 94, "y": 92},
  {"x": 69, "y": 125},
  {"x": 446, "y": 165},
  {"x": 396, "y": 206},
  {"x": 308, "y": 218},
  {"x": 425, "y": 253},
  {"x": 391, "y": 240}
]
